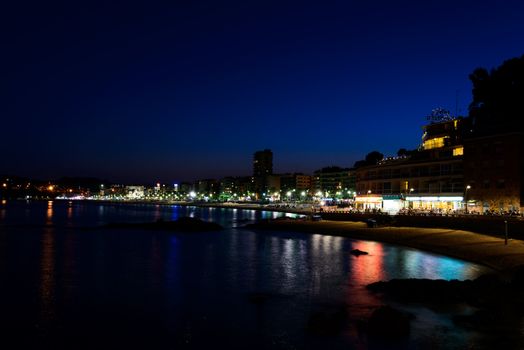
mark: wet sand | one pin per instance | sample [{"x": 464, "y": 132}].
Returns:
[{"x": 465, "y": 245}]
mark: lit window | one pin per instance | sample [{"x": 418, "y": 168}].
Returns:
[
  {"x": 459, "y": 151},
  {"x": 436, "y": 142}
]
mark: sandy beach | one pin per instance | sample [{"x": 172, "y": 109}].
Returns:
[{"x": 474, "y": 247}]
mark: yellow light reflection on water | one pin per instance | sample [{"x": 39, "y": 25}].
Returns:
[
  {"x": 49, "y": 214},
  {"x": 69, "y": 212},
  {"x": 2, "y": 211},
  {"x": 47, "y": 275}
]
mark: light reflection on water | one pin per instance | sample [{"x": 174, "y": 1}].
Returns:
[
  {"x": 49, "y": 213},
  {"x": 198, "y": 285},
  {"x": 2, "y": 210},
  {"x": 47, "y": 277}
]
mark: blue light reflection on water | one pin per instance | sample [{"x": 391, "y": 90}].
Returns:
[{"x": 194, "y": 286}]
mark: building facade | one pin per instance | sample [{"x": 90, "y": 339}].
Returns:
[
  {"x": 263, "y": 163},
  {"x": 430, "y": 178},
  {"x": 334, "y": 181},
  {"x": 494, "y": 172},
  {"x": 262, "y": 169},
  {"x": 298, "y": 186}
]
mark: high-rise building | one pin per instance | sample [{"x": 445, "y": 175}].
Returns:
[
  {"x": 262, "y": 169},
  {"x": 263, "y": 163}
]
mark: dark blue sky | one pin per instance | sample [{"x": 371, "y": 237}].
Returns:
[{"x": 174, "y": 91}]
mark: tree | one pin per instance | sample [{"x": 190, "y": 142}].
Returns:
[
  {"x": 359, "y": 163},
  {"x": 497, "y": 97},
  {"x": 402, "y": 152},
  {"x": 374, "y": 157}
]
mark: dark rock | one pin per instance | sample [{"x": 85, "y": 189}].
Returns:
[
  {"x": 497, "y": 297},
  {"x": 437, "y": 291},
  {"x": 329, "y": 320},
  {"x": 358, "y": 252},
  {"x": 387, "y": 322},
  {"x": 258, "y": 298},
  {"x": 495, "y": 320}
]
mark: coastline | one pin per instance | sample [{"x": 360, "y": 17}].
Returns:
[
  {"x": 227, "y": 205},
  {"x": 474, "y": 247},
  {"x": 484, "y": 249}
]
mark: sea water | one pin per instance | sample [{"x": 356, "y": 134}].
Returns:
[{"x": 68, "y": 282}]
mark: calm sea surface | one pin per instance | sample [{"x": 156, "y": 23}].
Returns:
[{"x": 68, "y": 283}]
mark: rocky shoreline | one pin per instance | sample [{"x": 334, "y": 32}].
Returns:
[{"x": 497, "y": 298}]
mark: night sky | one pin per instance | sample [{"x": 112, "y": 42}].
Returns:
[{"x": 172, "y": 91}]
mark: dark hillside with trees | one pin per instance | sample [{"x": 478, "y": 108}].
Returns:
[{"x": 498, "y": 98}]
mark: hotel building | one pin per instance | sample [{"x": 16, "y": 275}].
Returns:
[{"x": 430, "y": 178}]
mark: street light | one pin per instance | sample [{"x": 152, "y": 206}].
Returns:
[{"x": 466, "y": 197}]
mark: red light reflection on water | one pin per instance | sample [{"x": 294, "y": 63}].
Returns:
[
  {"x": 363, "y": 270},
  {"x": 369, "y": 268}
]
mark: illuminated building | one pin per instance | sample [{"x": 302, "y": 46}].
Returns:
[
  {"x": 303, "y": 182},
  {"x": 299, "y": 182},
  {"x": 334, "y": 180},
  {"x": 235, "y": 187},
  {"x": 207, "y": 186},
  {"x": 273, "y": 183},
  {"x": 135, "y": 192},
  {"x": 430, "y": 178}
]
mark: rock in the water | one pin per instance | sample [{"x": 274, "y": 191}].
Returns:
[
  {"x": 358, "y": 252},
  {"x": 328, "y": 320},
  {"x": 258, "y": 298},
  {"x": 387, "y": 322}
]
